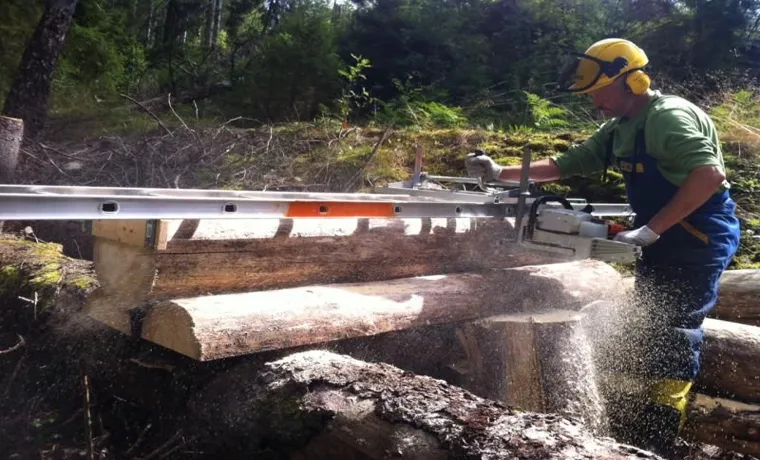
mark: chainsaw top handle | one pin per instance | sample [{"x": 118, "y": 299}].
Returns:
[{"x": 534, "y": 210}]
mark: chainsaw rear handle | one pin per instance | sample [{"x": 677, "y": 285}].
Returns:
[{"x": 534, "y": 210}]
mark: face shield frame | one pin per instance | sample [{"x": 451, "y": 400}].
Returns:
[{"x": 568, "y": 74}]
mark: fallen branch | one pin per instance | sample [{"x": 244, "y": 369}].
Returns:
[
  {"x": 350, "y": 184},
  {"x": 147, "y": 110},
  {"x": 165, "y": 447},
  {"x": 21, "y": 343}
]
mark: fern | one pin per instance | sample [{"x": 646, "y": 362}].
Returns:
[{"x": 544, "y": 114}]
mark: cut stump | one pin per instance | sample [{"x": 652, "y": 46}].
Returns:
[{"x": 535, "y": 362}]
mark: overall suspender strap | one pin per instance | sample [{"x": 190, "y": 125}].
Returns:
[{"x": 608, "y": 156}]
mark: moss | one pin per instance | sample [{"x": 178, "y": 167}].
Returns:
[
  {"x": 48, "y": 276},
  {"x": 10, "y": 278},
  {"x": 48, "y": 251},
  {"x": 84, "y": 282}
]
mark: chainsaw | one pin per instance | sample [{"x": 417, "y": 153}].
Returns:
[
  {"x": 570, "y": 227},
  {"x": 576, "y": 234}
]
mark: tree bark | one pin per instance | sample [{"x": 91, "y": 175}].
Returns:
[
  {"x": 30, "y": 92},
  {"x": 218, "y": 5},
  {"x": 321, "y": 405},
  {"x": 11, "y": 135},
  {"x": 739, "y": 297},
  {"x": 728, "y": 424},
  {"x": 731, "y": 361}
]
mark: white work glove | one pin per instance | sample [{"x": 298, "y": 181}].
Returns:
[
  {"x": 482, "y": 167},
  {"x": 642, "y": 236}
]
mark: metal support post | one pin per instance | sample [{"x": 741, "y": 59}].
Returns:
[{"x": 524, "y": 192}]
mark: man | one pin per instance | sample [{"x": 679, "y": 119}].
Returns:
[{"x": 669, "y": 154}]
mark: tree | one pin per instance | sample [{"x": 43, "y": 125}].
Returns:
[{"x": 30, "y": 92}]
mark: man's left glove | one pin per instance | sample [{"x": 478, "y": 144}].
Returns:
[
  {"x": 642, "y": 236},
  {"x": 482, "y": 166}
]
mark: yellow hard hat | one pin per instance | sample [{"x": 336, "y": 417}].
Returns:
[{"x": 601, "y": 64}]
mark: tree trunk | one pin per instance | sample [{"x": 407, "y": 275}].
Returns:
[
  {"x": 171, "y": 22},
  {"x": 208, "y": 36},
  {"x": 219, "y": 4},
  {"x": 320, "y": 405},
  {"x": 11, "y": 135},
  {"x": 29, "y": 95},
  {"x": 149, "y": 39}
]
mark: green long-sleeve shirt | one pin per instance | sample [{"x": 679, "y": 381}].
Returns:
[{"x": 679, "y": 135}]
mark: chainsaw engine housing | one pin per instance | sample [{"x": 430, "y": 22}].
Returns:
[{"x": 576, "y": 234}]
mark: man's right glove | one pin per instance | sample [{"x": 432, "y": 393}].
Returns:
[
  {"x": 642, "y": 236},
  {"x": 482, "y": 166}
]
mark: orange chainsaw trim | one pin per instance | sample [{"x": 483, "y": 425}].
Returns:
[
  {"x": 614, "y": 229},
  {"x": 339, "y": 209}
]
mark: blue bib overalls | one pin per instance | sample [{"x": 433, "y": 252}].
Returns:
[
  {"x": 677, "y": 276},
  {"x": 676, "y": 288}
]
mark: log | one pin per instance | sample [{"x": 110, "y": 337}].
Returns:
[
  {"x": 730, "y": 365},
  {"x": 320, "y": 405},
  {"x": 11, "y": 135},
  {"x": 42, "y": 296},
  {"x": 39, "y": 276},
  {"x": 214, "y": 327},
  {"x": 184, "y": 259},
  {"x": 728, "y": 424},
  {"x": 535, "y": 362},
  {"x": 738, "y": 296}
]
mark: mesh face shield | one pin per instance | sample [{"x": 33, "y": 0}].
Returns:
[{"x": 581, "y": 72}]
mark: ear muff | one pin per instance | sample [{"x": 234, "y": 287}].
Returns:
[{"x": 638, "y": 82}]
